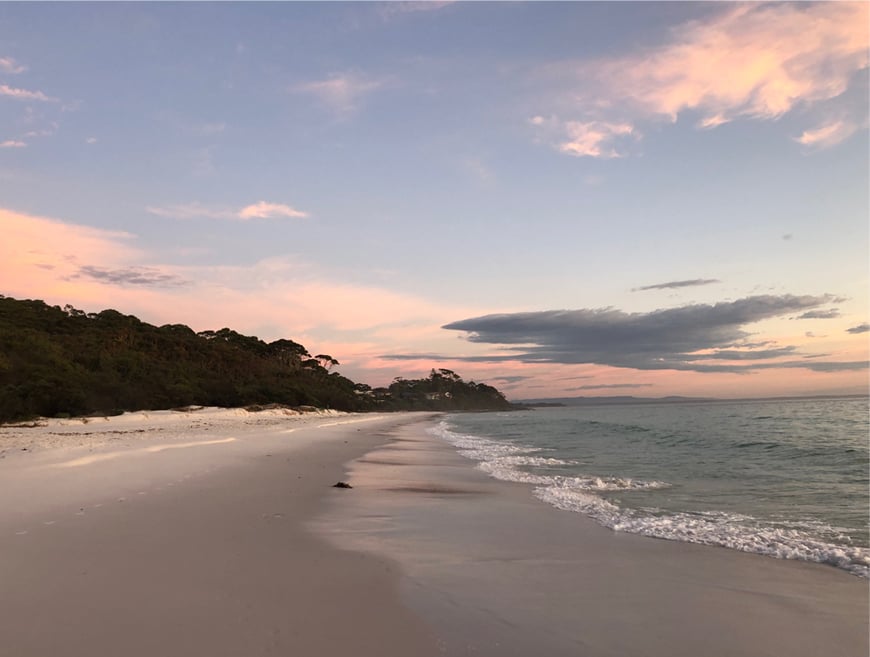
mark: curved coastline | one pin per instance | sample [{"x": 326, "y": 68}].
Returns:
[
  {"x": 498, "y": 573},
  {"x": 184, "y": 534}
]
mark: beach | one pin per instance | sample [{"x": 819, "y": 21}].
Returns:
[
  {"x": 218, "y": 532},
  {"x": 183, "y": 534},
  {"x": 497, "y": 572}
]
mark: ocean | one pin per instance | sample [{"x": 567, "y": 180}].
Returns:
[{"x": 783, "y": 478}]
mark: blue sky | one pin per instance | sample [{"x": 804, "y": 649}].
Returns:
[{"x": 355, "y": 176}]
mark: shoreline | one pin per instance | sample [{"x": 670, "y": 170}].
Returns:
[
  {"x": 193, "y": 540},
  {"x": 499, "y": 573},
  {"x": 219, "y": 533}
]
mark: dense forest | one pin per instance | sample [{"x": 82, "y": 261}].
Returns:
[{"x": 59, "y": 362}]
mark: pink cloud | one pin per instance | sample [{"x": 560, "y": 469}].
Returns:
[
  {"x": 259, "y": 210},
  {"x": 9, "y": 65},
  {"x": 24, "y": 94},
  {"x": 752, "y": 61},
  {"x": 39, "y": 255},
  {"x": 827, "y": 135},
  {"x": 94, "y": 269},
  {"x": 593, "y": 139},
  {"x": 13, "y": 143},
  {"x": 265, "y": 210},
  {"x": 389, "y": 10},
  {"x": 342, "y": 92}
]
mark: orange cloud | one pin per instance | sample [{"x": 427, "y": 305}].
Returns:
[
  {"x": 756, "y": 61},
  {"x": 589, "y": 139},
  {"x": 95, "y": 269}
]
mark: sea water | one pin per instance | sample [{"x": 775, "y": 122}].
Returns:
[{"x": 784, "y": 478}]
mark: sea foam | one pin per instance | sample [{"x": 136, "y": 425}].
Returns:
[{"x": 582, "y": 493}]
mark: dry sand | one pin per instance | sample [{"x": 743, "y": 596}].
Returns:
[{"x": 164, "y": 534}]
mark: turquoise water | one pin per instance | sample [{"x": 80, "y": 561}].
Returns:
[{"x": 785, "y": 478}]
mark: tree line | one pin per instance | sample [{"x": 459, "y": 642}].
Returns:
[{"x": 58, "y": 362}]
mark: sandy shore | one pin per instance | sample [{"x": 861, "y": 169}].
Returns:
[
  {"x": 218, "y": 533},
  {"x": 498, "y": 573},
  {"x": 184, "y": 534}
]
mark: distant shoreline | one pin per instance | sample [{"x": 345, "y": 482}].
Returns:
[{"x": 581, "y": 401}]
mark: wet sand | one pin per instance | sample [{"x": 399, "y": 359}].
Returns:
[
  {"x": 185, "y": 536},
  {"x": 498, "y": 573}
]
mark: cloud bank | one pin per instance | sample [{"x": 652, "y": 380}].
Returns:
[{"x": 695, "y": 338}]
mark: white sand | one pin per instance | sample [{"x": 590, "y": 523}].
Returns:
[
  {"x": 176, "y": 533},
  {"x": 126, "y": 429}
]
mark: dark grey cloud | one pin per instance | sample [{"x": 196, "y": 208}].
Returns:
[
  {"x": 823, "y": 366},
  {"x": 139, "y": 276},
  {"x": 675, "y": 284},
  {"x": 684, "y": 338},
  {"x": 444, "y": 357},
  {"x": 418, "y": 357},
  {"x": 511, "y": 379},
  {"x": 736, "y": 354},
  {"x": 829, "y": 313},
  {"x": 611, "y": 386},
  {"x": 861, "y": 328}
]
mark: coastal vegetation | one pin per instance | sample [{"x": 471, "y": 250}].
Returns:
[{"x": 58, "y": 362}]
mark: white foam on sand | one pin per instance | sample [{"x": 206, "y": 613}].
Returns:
[{"x": 582, "y": 494}]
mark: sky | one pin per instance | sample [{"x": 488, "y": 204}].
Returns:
[{"x": 558, "y": 199}]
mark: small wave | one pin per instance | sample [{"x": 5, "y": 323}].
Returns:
[
  {"x": 508, "y": 473},
  {"x": 737, "y": 532},
  {"x": 504, "y": 462},
  {"x": 782, "y": 539},
  {"x": 610, "y": 483}
]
